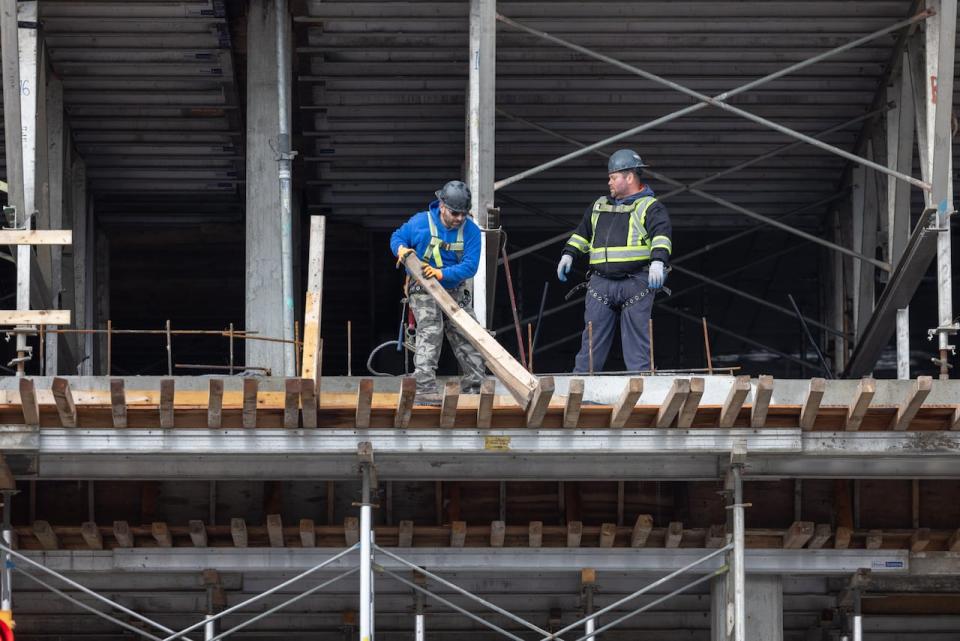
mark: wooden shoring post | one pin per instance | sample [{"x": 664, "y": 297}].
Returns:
[
  {"x": 291, "y": 403},
  {"x": 734, "y": 401},
  {"x": 798, "y": 534},
  {"x": 608, "y": 534},
  {"x": 308, "y": 533},
  {"x": 311, "y": 362},
  {"x": 308, "y": 403},
  {"x": 761, "y": 401},
  {"x": 716, "y": 536},
  {"x": 498, "y": 532},
  {"x": 249, "y": 412},
  {"x": 161, "y": 534},
  {"x": 920, "y": 539},
  {"x": 641, "y": 531},
  {"x": 674, "y": 535},
  {"x": 535, "y": 534},
  {"x": 215, "y": 404},
  {"x": 45, "y": 535},
  {"x": 118, "y": 403},
  {"x": 364, "y": 403},
  {"x": 166, "y": 403},
  {"x": 198, "y": 533},
  {"x": 63, "y": 397},
  {"x": 911, "y": 404},
  {"x": 351, "y": 530},
  {"x": 28, "y": 402},
  {"x": 405, "y": 534},
  {"x": 408, "y": 390},
  {"x": 574, "y": 533},
  {"x": 540, "y": 401},
  {"x": 821, "y": 534},
  {"x": 122, "y": 534},
  {"x": 689, "y": 410},
  {"x": 238, "y": 532},
  {"x": 91, "y": 535},
  {"x": 874, "y": 540},
  {"x": 628, "y": 400},
  {"x": 858, "y": 408},
  {"x": 571, "y": 410},
  {"x": 448, "y": 408},
  {"x": 811, "y": 403},
  {"x": 676, "y": 397},
  {"x": 458, "y": 534},
  {"x": 275, "y": 530},
  {"x": 485, "y": 405}
]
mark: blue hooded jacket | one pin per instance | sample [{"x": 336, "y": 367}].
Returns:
[{"x": 415, "y": 233}]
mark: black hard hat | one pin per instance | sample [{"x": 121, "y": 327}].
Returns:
[
  {"x": 455, "y": 195},
  {"x": 624, "y": 159}
]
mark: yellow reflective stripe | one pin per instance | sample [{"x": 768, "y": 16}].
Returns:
[
  {"x": 579, "y": 243},
  {"x": 434, "y": 246},
  {"x": 618, "y": 254},
  {"x": 662, "y": 242}
]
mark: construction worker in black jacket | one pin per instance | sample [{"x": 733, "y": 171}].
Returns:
[{"x": 627, "y": 237}]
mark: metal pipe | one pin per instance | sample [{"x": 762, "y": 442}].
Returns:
[
  {"x": 513, "y": 305},
  {"x": 716, "y": 101},
  {"x": 591, "y": 623},
  {"x": 809, "y": 336},
  {"x": 285, "y": 173},
  {"x": 420, "y": 624},
  {"x": 536, "y": 334},
  {"x": 857, "y": 616},
  {"x": 739, "y": 572},
  {"x": 366, "y": 559},
  {"x": 706, "y": 347},
  {"x": 210, "y": 629},
  {"x": 6, "y": 579}
]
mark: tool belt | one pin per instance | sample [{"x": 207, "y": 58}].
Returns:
[{"x": 461, "y": 294}]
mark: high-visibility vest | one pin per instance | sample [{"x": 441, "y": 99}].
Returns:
[
  {"x": 637, "y": 246},
  {"x": 436, "y": 244}
]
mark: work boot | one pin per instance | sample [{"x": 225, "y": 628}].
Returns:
[{"x": 427, "y": 398}]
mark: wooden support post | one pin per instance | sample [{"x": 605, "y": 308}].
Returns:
[
  {"x": 734, "y": 402},
  {"x": 798, "y": 534},
  {"x": 953, "y": 543},
  {"x": 574, "y": 534},
  {"x": 535, "y": 534},
  {"x": 351, "y": 530},
  {"x": 912, "y": 403},
  {"x": 7, "y": 481},
  {"x": 91, "y": 535},
  {"x": 841, "y": 541},
  {"x": 308, "y": 403},
  {"x": 238, "y": 532},
  {"x": 498, "y": 532},
  {"x": 161, "y": 534},
  {"x": 405, "y": 534},
  {"x": 118, "y": 403},
  {"x": 291, "y": 403},
  {"x": 540, "y": 401},
  {"x": 308, "y": 531},
  {"x": 28, "y": 402},
  {"x": 215, "y": 404},
  {"x": 275, "y": 530},
  {"x": 811, "y": 404},
  {"x": 571, "y": 411},
  {"x": 641, "y": 531},
  {"x": 313, "y": 305},
  {"x": 63, "y": 397},
  {"x": 676, "y": 397},
  {"x": 121, "y": 532},
  {"x": 674, "y": 535},
  {"x": 485, "y": 406},
  {"x": 364, "y": 403},
  {"x": 198, "y": 533},
  {"x": 761, "y": 401},
  {"x": 45, "y": 534},
  {"x": 874, "y": 540},
  {"x": 408, "y": 390},
  {"x": 448, "y": 409},
  {"x": 821, "y": 534},
  {"x": 628, "y": 400},
  {"x": 608, "y": 534},
  {"x": 689, "y": 410},
  {"x": 166, "y": 403},
  {"x": 858, "y": 409},
  {"x": 920, "y": 539},
  {"x": 458, "y": 534},
  {"x": 716, "y": 536},
  {"x": 249, "y": 413}
]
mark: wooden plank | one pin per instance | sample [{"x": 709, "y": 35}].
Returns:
[
  {"x": 405, "y": 534},
  {"x": 535, "y": 534},
  {"x": 458, "y": 534},
  {"x": 761, "y": 401},
  {"x": 215, "y": 404},
  {"x": 351, "y": 530},
  {"x": 539, "y": 402},
  {"x": 166, "y": 403},
  {"x": 734, "y": 401},
  {"x": 11, "y": 317},
  {"x": 716, "y": 536},
  {"x": 275, "y": 530},
  {"x": 308, "y": 403},
  {"x": 498, "y": 532},
  {"x": 7, "y": 480},
  {"x": 627, "y": 401},
  {"x": 485, "y": 406},
  {"x": 45, "y": 534},
  {"x": 674, "y": 535},
  {"x": 911, "y": 404},
  {"x": 874, "y": 540},
  {"x": 821, "y": 534},
  {"x": 448, "y": 408},
  {"x": 310, "y": 366},
  {"x": 63, "y": 398},
  {"x": 518, "y": 381},
  {"x": 798, "y": 534},
  {"x": 91, "y": 535},
  {"x": 670, "y": 407},
  {"x": 920, "y": 539},
  {"x": 689, "y": 410},
  {"x": 608, "y": 534},
  {"x": 408, "y": 390},
  {"x": 238, "y": 532},
  {"x": 198, "y": 533},
  {"x": 641, "y": 531},
  {"x": 161, "y": 534},
  {"x": 364, "y": 403},
  {"x": 811, "y": 404},
  {"x": 858, "y": 408},
  {"x": 291, "y": 403},
  {"x": 588, "y": 576},
  {"x": 249, "y": 413},
  {"x": 308, "y": 531},
  {"x": 841, "y": 541},
  {"x": 121, "y": 532},
  {"x": 574, "y": 534},
  {"x": 36, "y": 237},
  {"x": 28, "y": 402},
  {"x": 118, "y": 403},
  {"x": 953, "y": 543},
  {"x": 571, "y": 409}
]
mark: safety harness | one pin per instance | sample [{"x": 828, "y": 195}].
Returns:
[{"x": 436, "y": 244}]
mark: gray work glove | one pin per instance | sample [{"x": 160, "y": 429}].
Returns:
[
  {"x": 563, "y": 267},
  {"x": 655, "y": 276}
]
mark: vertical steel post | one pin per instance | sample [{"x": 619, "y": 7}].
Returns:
[
  {"x": 591, "y": 624},
  {"x": 366, "y": 565},
  {"x": 857, "y": 617},
  {"x": 285, "y": 174},
  {"x": 420, "y": 626},
  {"x": 6, "y": 578},
  {"x": 210, "y": 628},
  {"x": 739, "y": 574}
]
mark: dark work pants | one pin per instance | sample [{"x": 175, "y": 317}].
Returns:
[{"x": 633, "y": 319}]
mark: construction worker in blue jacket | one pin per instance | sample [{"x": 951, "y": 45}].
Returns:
[
  {"x": 627, "y": 238},
  {"x": 448, "y": 243}
]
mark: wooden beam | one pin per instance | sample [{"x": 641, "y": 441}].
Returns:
[
  {"x": 734, "y": 401},
  {"x": 238, "y": 532},
  {"x": 215, "y": 404},
  {"x": 689, "y": 410},
  {"x": 676, "y": 397},
  {"x": 308, "y": 403},
  {"x": 798, "y": 534},
  {"x": 518, "y": 381},
  {"x": 571, "y": 409},
  {"x": 166, "y": 403},
  {"x": 198, "y": 533},
  {"x": 405, "y": 534},
  {"x": 121, "y": 532},
  {"x": 874, "y": 540},
  {"x": 28, "y": 402},
  {"x": 118, "y": 403},
  {"x": 448, "y": 408},
  {"x": 12, "y": 317},
  {"x": 539, "y": 402},
  {"x": 458, "y": 534},
  {"x": 45, "y": 534},
  {"x": 408, "y": 390},
  {"x": 858, "y": 408},
  {"x": 36, "y": 237},
  {"x": 716, "y": 536},
  {"x": 627, "y": 401},
  {"x": 91, "y": 535},
  {"x": 761, "y": 401},
  {"x": 841, "y": 541},
  {"x": 574, "y": 534},
  {"x": 313, "y": 305},
  {"x": 920, "y": 539},
  {"x": 535, "y": 534},
  {"x": 498, "y": 532},
  {"x": 364, "y": 402},
  {"x": 249, "y": 413},
  {"x": 953, "y": 543},
  {"x": 291, "y": 403},
  {"x": 63, "y": 397},
  {"x": 821, "y": 534},
  {"x": 308, "y": 531},
  {"x": 608, "y": 534},
  {"x": 485, "y": 405},
  {"x": 161, "y": 534},
  {"x": 275, "y": 530},
  {"x": 912, "y": 403},
  {"x": 641, "y": 531},
  {"x": 674, "y": 535},
  {"x": 811, "y": 404},
  {"x": 351, "y": 530}
]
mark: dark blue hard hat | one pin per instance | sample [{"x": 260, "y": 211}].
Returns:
[
  {"x": 624, "y": 159},
  {"x": 455, "y": 195}
]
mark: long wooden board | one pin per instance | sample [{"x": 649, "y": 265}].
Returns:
[
  {"x": 34, "y": 317},
  {"x": 36, "y": 237}
]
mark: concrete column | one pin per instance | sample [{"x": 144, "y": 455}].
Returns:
[
  {"x": 264, "y": 287},
  {"x": 764, "y": 608}
]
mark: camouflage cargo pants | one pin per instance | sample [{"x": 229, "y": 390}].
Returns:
[{"x": 430, "y": 330}]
